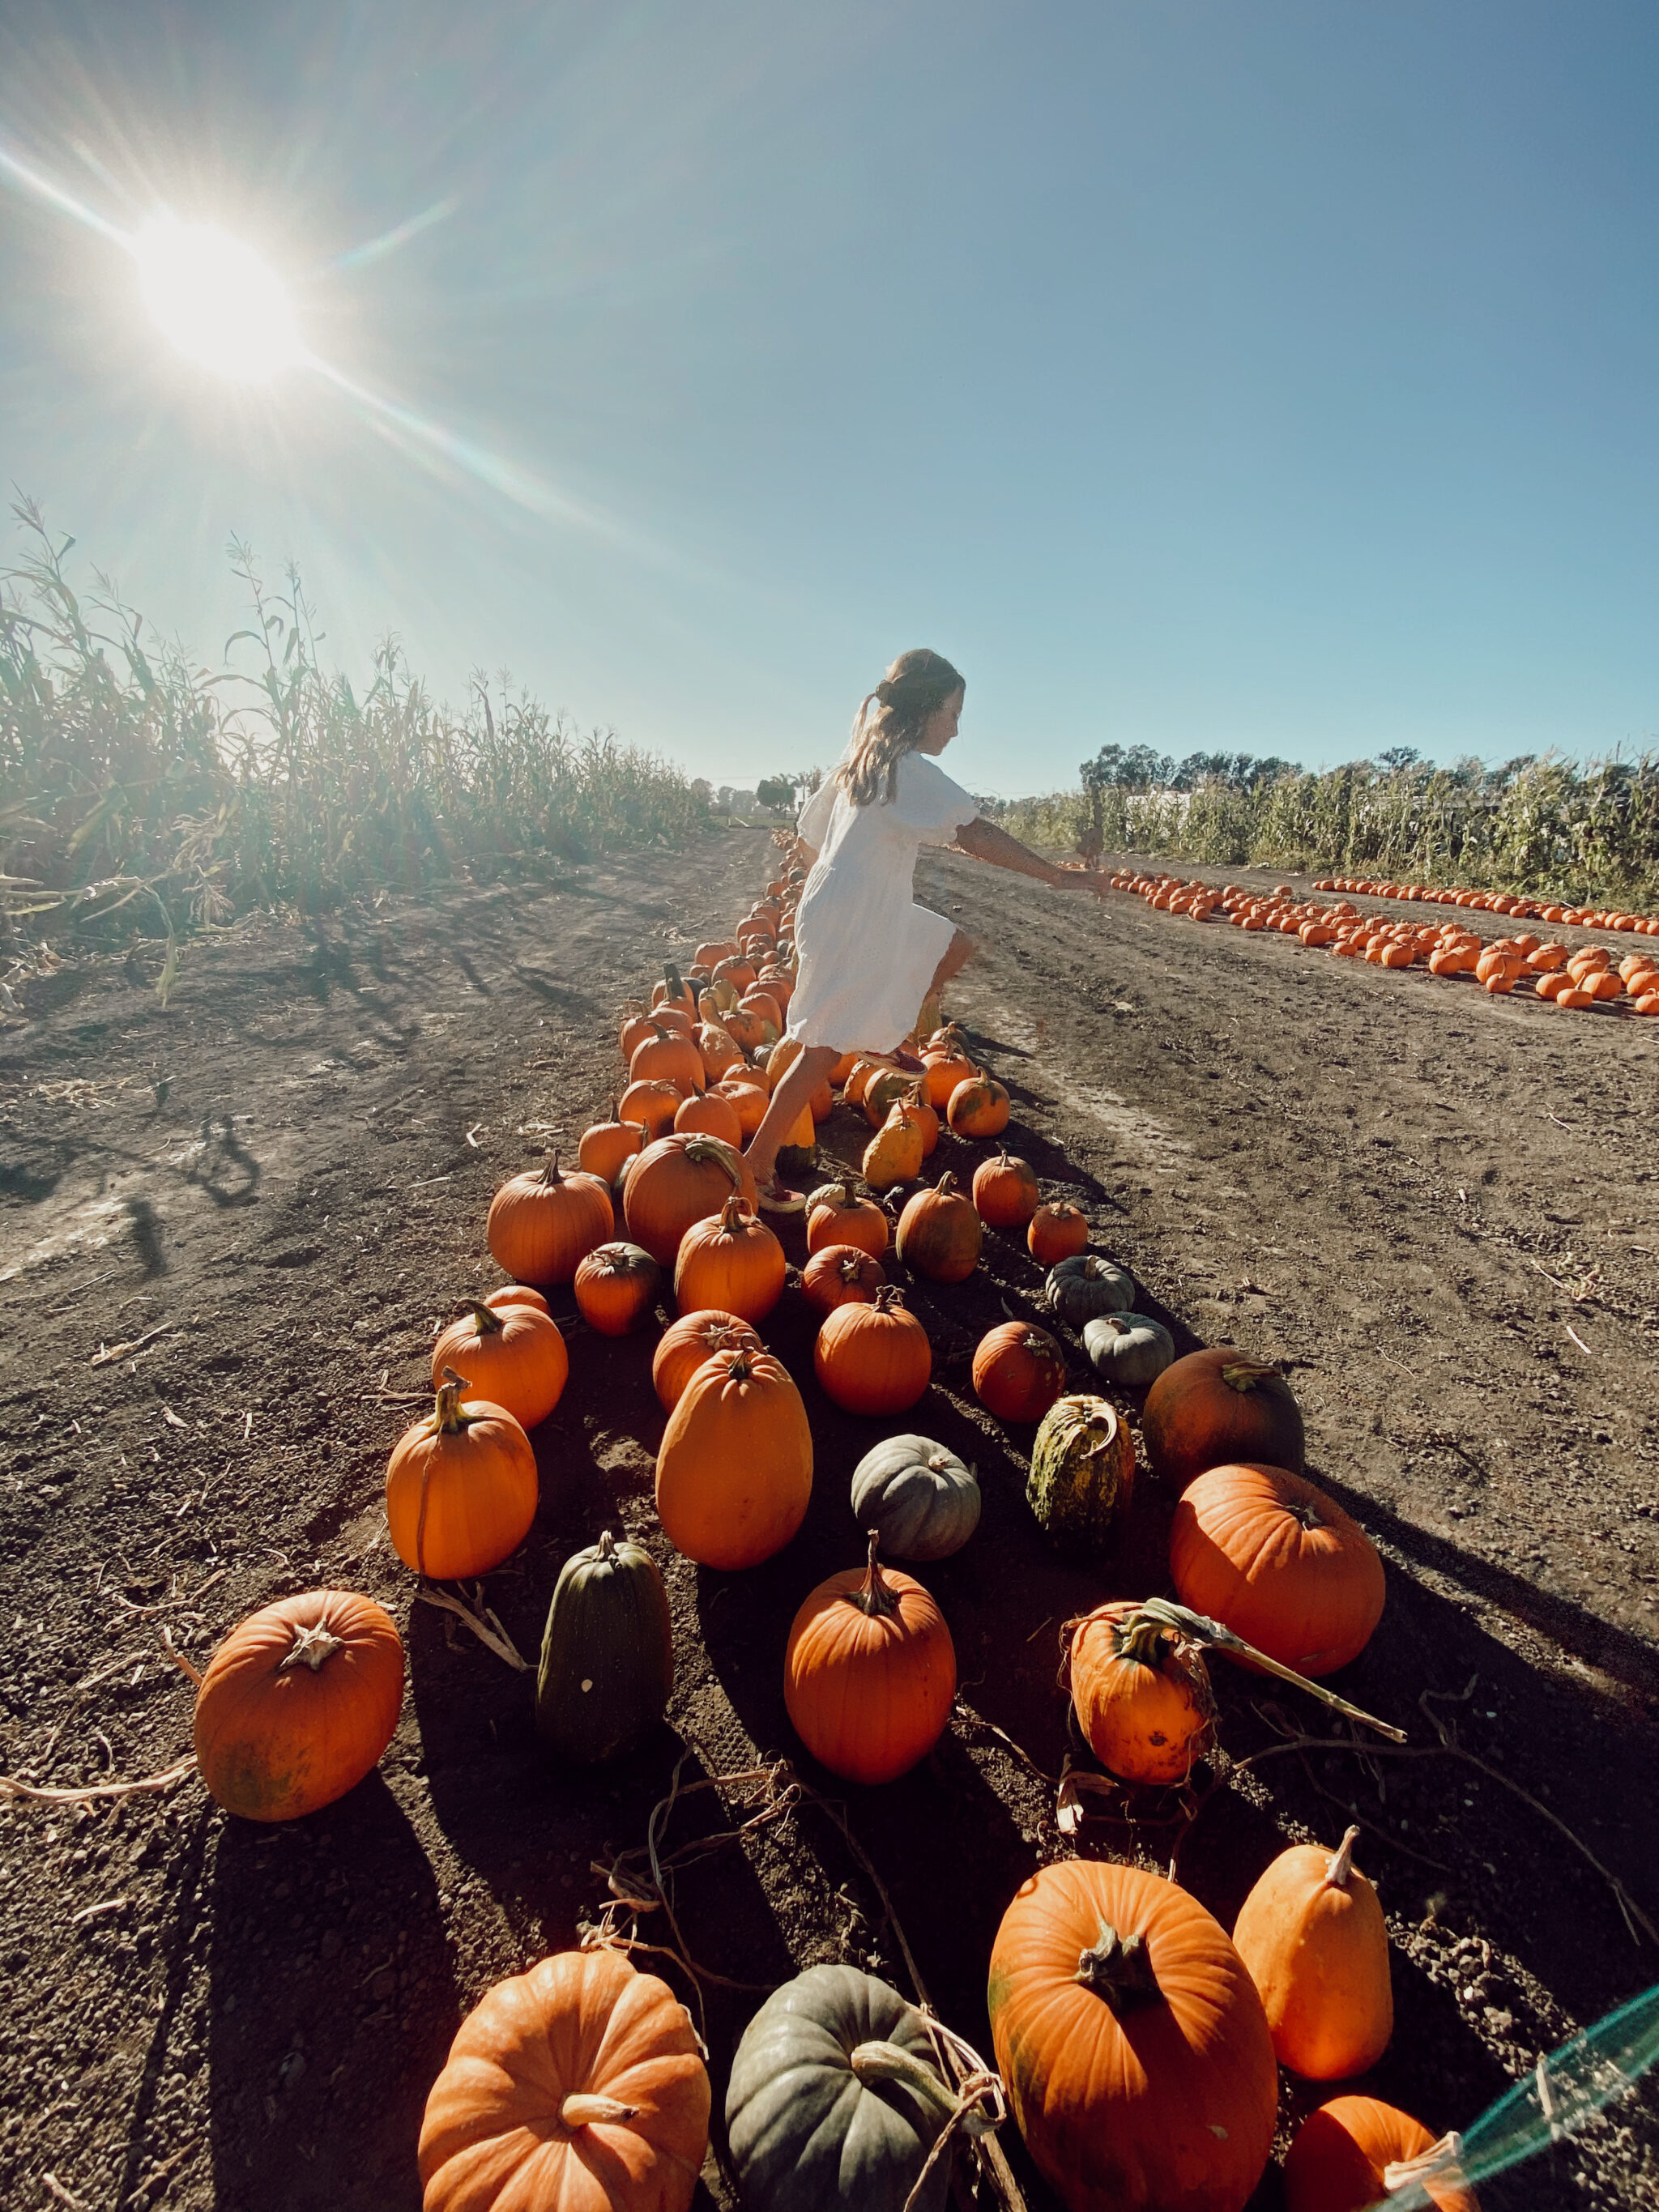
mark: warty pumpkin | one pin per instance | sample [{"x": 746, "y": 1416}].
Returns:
[
  {"x": 607, "y": 1664},
  {"x": 1082, "y": 1475},
  {"x": 686, "y": 1343},
  {"x": 836, "y": 1216},
  {"x": 575, "y": 2087},
  {"x": 894, "y": 1154},
  {"x": 835, "y": 2099},
  {"x": 298, "y": 1704},
  {"x": 1219, "y": 1406},
  {"x": 873, "y": 1359},
  {"x": 978, "y": 1108},
  {"x": 1019, "y": 1372},
  {"x": 1006, "y": 1192},
  {"x": 939, "y": 1233},
  {"x": 919, "y": 1500},
  {"x": 1133, "y": 2043},
  {"x": 607, "y": 1147},
  {"x": 1313, "y": 1935},
  {"x": 677, "y": 1180},
  {"x": 869, "y": 1672},
  {"x": 1266, "y": 1552},
  {"x": 734, "y": 1471},
  {"x": 460, "y": 1486},
  {"x": 1354, "y": 2151},
  {"x": 542, "y": 1222},
  {"x": 732, "y": 1262},
  {"x": 1141, "y": 1691},
  {"x": 616, "y": 1287},
  {"x": 839, "y": 1275},
  {"x": 1056, "y": 1232},
  {"x": 512, "y": 1354}
]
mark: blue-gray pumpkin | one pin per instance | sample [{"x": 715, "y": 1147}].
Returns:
[
  {"x": 835, "y": 2099},
  {"x": 607, "y": 1668},
  {"x": 1085, "y": 1284},
  {"x": 920, "y": 1499},
  {"x": 1083, "y": 1472},
  {"x": 1130, "y": 1349}
]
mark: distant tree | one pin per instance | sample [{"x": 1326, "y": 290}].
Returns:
[
  {"x": 776, "y": 793},
  {"x": 1399, "y": 756}
]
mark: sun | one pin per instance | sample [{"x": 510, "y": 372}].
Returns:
[{"x": 218, "y": 303}]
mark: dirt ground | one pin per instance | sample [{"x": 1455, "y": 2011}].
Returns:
[{"x": 1440, "y": 1211}]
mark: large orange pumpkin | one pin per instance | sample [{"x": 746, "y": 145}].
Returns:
[
  {"x": 1018, "y": 1370},
  {"x": 1346, "y": 2156},
  {"x": 1270, "y": 1555},
  {"x": 734, "y": 1472},
  {"x": 668, "y": 1056},
  {"x": 575, "y": 2087},
  {"x": 732, "y": 1263},
  {"x": 686, "y": 1343},
  {"x": 512, "y": 1354},
  {"x": 869, "y": 1672},
  {"x": 677, "y": 1180},
  {"x": 873, "y": 1359},
  {"x": 836, "y": 1216},
  {"x": 1219, "y": 1406},
  {"x": 1133, "y": 2043},
  {"x": 460, "y": 1487},
  {"x": 542, "y": 1222},
  {"x": 297, "y": 1703},
  {"x": 607, "y": 1147},
  {"x": 939, "y": 1233},
  {"x": 1313, "y": 1935},
  {"x": 1006, "y": 1192},
  {"x": 1142, "y": 1693}
]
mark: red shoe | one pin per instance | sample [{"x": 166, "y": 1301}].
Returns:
[{"x": 777, "y": 1197}]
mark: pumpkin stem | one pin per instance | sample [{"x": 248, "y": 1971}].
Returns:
[
  {"x": 550, "y": 1174},
  {"x": 1118, "y": 1968},
  {"x": 581, "y": 2110},
  {"x": 1141, "y": 1639},
  {"x": 945, "y": 1185},
  {"x": 446, "y": 1413},
  {"x": 1242, "y": 1375},
  {"x": 874, "y": 1595},
  {"x": 605, "y": 1549},
  {"x": 716, "y": 1149},
  {"x": 1441, "y": 2161},
  {"x": 1337, "y": 1872},
  {"x": 889, "y": 2061},
  {"x": 488, "y": 1321},
  {"x": 309, "y": 1647},
  {"x": 734, "y": 1215}
]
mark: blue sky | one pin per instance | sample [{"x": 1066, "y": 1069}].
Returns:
[{"x": 1277, "y": 376}]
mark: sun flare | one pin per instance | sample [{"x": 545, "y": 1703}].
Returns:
[{"x": 219, "y": 304}]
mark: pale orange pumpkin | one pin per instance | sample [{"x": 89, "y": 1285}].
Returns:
[{"x": 1313, "y": 1935}]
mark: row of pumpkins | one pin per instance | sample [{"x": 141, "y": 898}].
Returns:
[
  {"x": 1524, "y": 909},
  {"x": 1571, "y": 979},
  {"x": 1137, "y": 2040}
]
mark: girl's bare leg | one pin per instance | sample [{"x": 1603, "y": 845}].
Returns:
[
  {"x": 957, "y": 953},
  {"x": 800, "y": 1079}
]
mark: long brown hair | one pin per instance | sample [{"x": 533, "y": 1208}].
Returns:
[{"x": 892, "y": 721}]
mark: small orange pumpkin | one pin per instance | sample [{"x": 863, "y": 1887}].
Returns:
[
  {"x": 1355, "y": 2151},
  {"x": 978, "y": 1108},
  {"x": 606, "y": 1147},
  {"x": 873, "y": 1359},
  {"x": 685, "y": 1343},
  {"x": 839, "y": 1275},
  {"x": 1019, "y": 1372},
  {"x": 708, "y": 1114},
  {"x": 616, "y": 1286},
  {"x": 542, "y": 1222},
  {"x": 668, "y": 1056},
  {"x": 939, "y": 1233},
  {"x": 1057, "y": 1230},
  {"x": 1218, "y": 1406},
  {"x": 1142, "y": 1694},
  {"x": 1313, "y": 1935},
  {"x": 1006, "y": 1192},
  {"x": 732, "y": 1263},
  {"x": 653, "y": 1104},
  {"x": 869, "y": 1672},
  {"x": 460, "y": 1487},
  {"x": 836, "y": 1217},
  {"x": 512, "y": 1354},
  {"x": 298, "y": 1704}
]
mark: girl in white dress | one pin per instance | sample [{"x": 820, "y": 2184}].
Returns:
[{"x": 867, "y": 955}]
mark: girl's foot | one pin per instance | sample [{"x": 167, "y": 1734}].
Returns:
[{"x": 777, "y": 1197}]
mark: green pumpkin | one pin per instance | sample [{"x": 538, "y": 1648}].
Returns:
[
  {"x": 834, "y": 2100},
  {"x": 1083, "y": 1472},
  {"x": 607, "y": 1668},
  {"x": 1085, "y": 1285},
  {"x": 919, "y": 1498},
  {"x": 1130, "y": 1349}
]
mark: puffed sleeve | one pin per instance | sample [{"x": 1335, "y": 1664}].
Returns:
[
  {"x": 812, "y": 825},
  {"x": 930, "y": 805}
]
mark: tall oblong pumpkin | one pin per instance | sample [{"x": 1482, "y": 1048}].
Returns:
[
  {"x": 734, "y": 1470},
  {"x": 869, "y": 1672},
  {"x": 461, "y": 1488},
  {"x": 607, "y": 1664},
  {"x": 1313, "y": 1935}
]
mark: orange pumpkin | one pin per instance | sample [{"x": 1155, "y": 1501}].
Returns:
[
  {"x": 1218, "y": 1406},
  {"x": 653, "y": 1104},
  {"x": 1019, "y": 1372},
  {"x": 606, "y": 1147},
  {"x": 1133, "y": 2043},
  {"x": 1142, "y": 1694},
  {"x": 734, "y": 1472},
  {"x": 942, "y": 1071},
  {"x": 460, "y": 1487},
  {"x": 1348, "y": 2156},
  {"x": 1006, "y": 1192},
  {"x": 616, "y": 1288},
  {"x": 978, "y": 1108},
  {"x": 869, "y": 1672},
  {"x": 516, "y": 1294},
  {"x": 668, "y": 1056},
  {"x": 836, "y": 1217},
  {"x": 706, "y": 1113},
  {"x": 873, "y": 1359},
  {"x": 512, "y": 1354},
  {"x": 685, "y": 1343},
  {"x": 578, "y": 2086},
  {"x": 748, "y": 1100},
  {"x": 677, "y": 1180},
  {"x": 541, "y": 1222},
  {"x": 939, "y": 1233},
  {"x": 1056, "y": 1232},
  {"x": 839, "y": 1275},
  {"x": 732, "y": 1263},
  {"x": 1270, "y": 1555},
  {"x": 1312, "y": 1933},
  {"x": 297, "y": 1705}
]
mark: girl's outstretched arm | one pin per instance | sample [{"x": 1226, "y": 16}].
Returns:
[{"x": 986, "y": 841}]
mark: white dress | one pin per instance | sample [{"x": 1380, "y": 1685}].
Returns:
[{"x": 865, "y": 952}]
